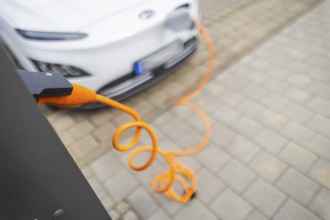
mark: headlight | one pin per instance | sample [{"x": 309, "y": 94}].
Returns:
[
  {"x": 37, "y": 35},
  {"x": 65, "y": 70}
]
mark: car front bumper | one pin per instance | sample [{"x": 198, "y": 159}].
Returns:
[{"x": 131, "y": 84}]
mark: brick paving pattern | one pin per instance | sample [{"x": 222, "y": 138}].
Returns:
[{"x": 269, "y": 104}]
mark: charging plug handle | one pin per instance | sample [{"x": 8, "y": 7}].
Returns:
[{"x": 42, "y": 84}]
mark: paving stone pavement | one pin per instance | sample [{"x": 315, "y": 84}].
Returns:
[{"x": 269, "y": 104}]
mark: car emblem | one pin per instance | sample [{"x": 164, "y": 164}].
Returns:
[{"x": 146, "y": 14}]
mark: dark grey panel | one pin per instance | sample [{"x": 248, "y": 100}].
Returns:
[{"x": 37, "y": 175}]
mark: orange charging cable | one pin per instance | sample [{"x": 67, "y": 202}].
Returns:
[{"x": 164, "y": 182}]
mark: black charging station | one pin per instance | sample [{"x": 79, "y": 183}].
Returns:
[{"x": 38, "y": 178}]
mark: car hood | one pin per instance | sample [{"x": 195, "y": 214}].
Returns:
[{"x": 61, "y": 15}]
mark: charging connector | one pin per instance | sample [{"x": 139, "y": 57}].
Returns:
[
  {"x": 42, "y": 84},
  {"x": 179, "y": 20}
]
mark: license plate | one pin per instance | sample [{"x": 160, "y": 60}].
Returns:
[{"x": 158, "y": 58}]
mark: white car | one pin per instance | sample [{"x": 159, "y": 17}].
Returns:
[{"x": 115, "y": 47}]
